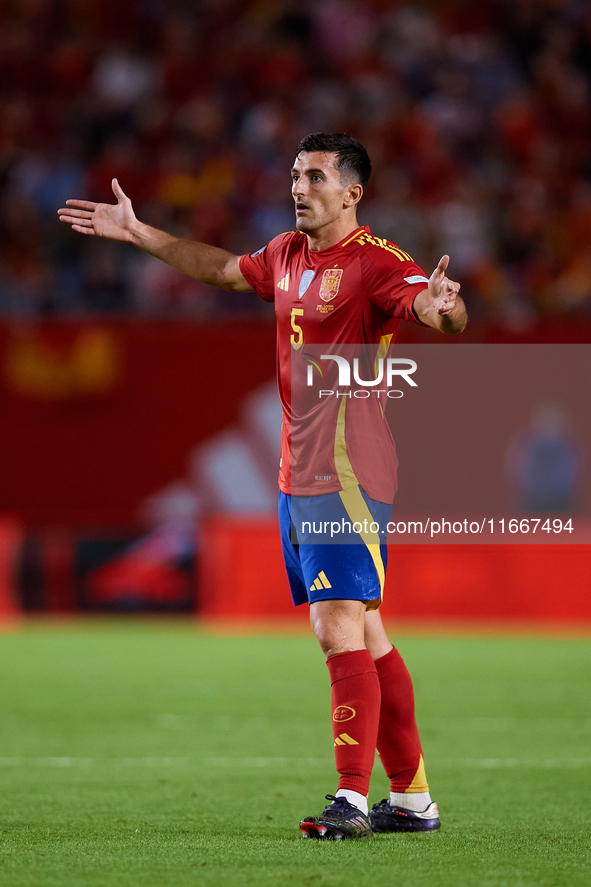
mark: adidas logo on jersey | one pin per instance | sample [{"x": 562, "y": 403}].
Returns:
[
  {"x": 320, "y": 582},
  {"x": 345, "y": 739},
  {"x": 284, "y": 283}
]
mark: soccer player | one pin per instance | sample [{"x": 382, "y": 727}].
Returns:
[{"x": 334, "y": 282}]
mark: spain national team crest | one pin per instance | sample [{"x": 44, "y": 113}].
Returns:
[{"x": 331, "y": 281}]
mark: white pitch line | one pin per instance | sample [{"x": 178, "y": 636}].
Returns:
[
  {"x": 282, "y": 763},
  {"x": 164, "y": 762},
  {"x": 512, "y": 763}
]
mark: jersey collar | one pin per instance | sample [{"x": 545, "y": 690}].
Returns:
[{"x": 338, "y": 246}]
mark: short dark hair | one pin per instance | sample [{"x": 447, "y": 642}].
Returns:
[{"x": 352, "y": 158}]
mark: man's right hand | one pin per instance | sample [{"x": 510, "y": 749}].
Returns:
[
  {"x": 101, "y": 219},
  {"x": 209, "y": 264}
]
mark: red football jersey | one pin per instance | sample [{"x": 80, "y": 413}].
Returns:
[{"x": 353, "y": 294}]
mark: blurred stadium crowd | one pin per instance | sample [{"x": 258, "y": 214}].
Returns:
[{"x": 477, "y": 116}]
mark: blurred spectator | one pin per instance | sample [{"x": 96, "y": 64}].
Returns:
[
  {"x": 477, "y": 117},
  {"x": 543, "y": 462}
]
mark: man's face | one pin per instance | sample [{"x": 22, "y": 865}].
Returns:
[{"x": 317, "y": 190}]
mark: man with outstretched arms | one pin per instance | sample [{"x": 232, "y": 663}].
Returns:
[{"x": 340, "y": 293}]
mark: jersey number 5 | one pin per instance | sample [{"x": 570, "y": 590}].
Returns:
[{"x": 299, "y": 341}]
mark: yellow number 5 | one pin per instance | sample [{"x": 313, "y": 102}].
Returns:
[{"x": 296, "y": 343}]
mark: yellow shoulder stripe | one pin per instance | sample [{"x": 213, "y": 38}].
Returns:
[{"x": 363, "y": 238}]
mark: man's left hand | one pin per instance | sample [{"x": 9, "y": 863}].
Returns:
[
  {"x": 442, "y": 290},
  {"x": 440, "y": 306}
]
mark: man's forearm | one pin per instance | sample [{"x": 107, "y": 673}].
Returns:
[
  {"x": 456, "y": 320},
  {"x": 199, "y": 260},
  {"x": 426, "y": 310}
]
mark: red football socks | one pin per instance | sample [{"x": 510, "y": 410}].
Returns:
[
  {"x": 355, "y": 716},
  {"x": 398, "y": 742}
]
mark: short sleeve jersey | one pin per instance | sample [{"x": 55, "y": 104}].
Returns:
[{"x": 353, "y": 294}]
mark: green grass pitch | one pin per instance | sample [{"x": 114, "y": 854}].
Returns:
[{"x": 154, "y": 754}]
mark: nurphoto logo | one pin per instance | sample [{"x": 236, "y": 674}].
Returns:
[{"x": 386, "y": 372}]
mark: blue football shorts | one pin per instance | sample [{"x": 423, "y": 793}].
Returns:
[{"x": 334, "y": 546}]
